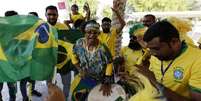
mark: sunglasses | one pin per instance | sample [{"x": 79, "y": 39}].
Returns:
[
  {"x": 92, "y": 32},
  {"x": 49, "y": 14}
]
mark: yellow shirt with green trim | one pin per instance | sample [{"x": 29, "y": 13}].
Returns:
[
  {"x": 61, "y": 26},
  {"x": 74, "y": 18},
  {"x": 183, "y": 75},
  {"x": 131, "y": 57},
  {"x": 145, "y": 90},
  {"x": 109, "y": 39}
]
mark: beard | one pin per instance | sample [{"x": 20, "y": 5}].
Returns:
[
  {"x": 106, "y": 30},
  {"x": 52, "y": 22},
  {"x": 134, "y": 46}
]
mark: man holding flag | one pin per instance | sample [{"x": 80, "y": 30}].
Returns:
[
  {"x": 25, "y": 44},
  {"x": 52, "y": 16}
]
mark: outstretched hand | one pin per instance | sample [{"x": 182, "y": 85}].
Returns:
[
  {"x": 114, "y": 10},
  {"x": 86, "y": 6}
]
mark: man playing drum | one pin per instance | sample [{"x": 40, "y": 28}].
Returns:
[{"x": 137, "y": 86}]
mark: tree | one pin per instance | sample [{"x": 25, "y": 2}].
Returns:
[
  {"x": 107, "y": 12},
  {"x": 161, "y": 5}
]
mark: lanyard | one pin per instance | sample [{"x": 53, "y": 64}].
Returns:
[
  {"x": 166, "y": 69},
  {"x": 183, "y": 48}
]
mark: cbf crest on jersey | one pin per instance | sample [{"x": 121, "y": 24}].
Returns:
[{"x": 178, "y": 73}]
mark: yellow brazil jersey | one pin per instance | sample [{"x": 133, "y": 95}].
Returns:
[
  {"x": 109, "y": 39},
  {"x": 147, "y": 92},
  {"x": 131, "y": 57},
  {"x": 184, "y": 73},
  {"x": 61, "y": 26},
  {"x": 76, "y": 17}
]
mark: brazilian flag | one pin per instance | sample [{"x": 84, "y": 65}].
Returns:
[
  {"x": 28, "y": 48},
  {"x": 67, "y": 38}
]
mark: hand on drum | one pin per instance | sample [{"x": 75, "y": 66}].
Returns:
[{"x": 106, "y": 88}]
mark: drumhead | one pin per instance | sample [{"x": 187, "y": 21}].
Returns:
[{"x": 118, "y": 94}]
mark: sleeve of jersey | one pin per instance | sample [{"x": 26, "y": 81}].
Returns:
[
  {"x": 109, "y": 69},
  {"x": 61, "y": 26},
  {"x": 195, "y": 79},
  {"x": 114, "y": 31}
]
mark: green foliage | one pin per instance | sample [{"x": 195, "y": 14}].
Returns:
[
  {"x": 93, "y": 4},
  {"x": 161, "y": 5},
  {"x": 107, "y": 12}
]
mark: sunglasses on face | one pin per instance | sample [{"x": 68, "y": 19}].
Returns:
[
  {"x": 106, "y": 23},
  {"x": 91, "y": 32},
  {"x": 50, "y": 14}
]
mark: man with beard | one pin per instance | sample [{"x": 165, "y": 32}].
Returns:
[
  {"x": 177, "y": 72},
  {"x": 52, "y": 17},
  {"x": 134, "y": 50},
  {"x": 137, "y": 86},
  {"x": 109, "y": 33},
  {"x": 149, "y": 20},
  {"x": 130, "y": 56}
]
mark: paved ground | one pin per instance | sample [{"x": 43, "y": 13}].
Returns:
[{"x": 40, "y": 86}]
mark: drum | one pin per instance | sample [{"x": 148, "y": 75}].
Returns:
[{"x": 118, "y": 94}]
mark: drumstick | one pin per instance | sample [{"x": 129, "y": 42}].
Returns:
[{"x": 145, "y": 58}]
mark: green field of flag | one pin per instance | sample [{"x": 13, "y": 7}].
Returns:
[{"x": 28, "y": 48}]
